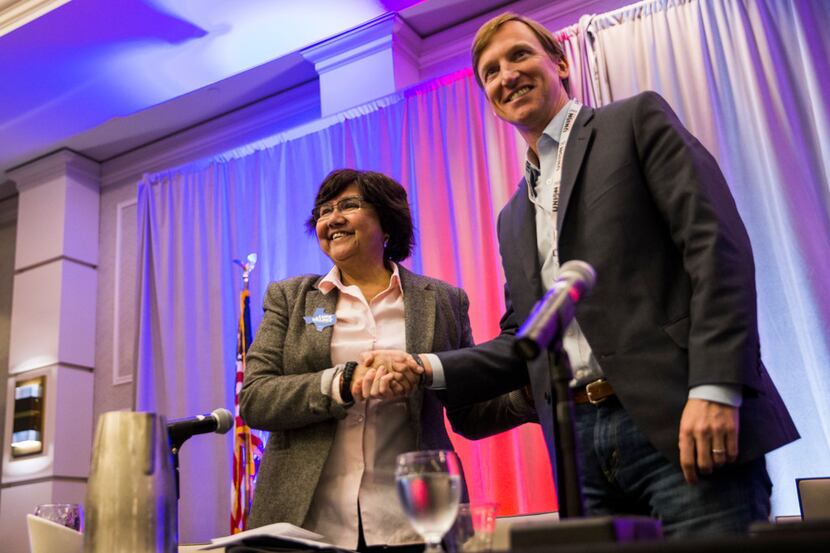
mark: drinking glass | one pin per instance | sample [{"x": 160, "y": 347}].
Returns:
[
  {"x": 66, "y": 514},
  {"x": 429, "y": 486}
]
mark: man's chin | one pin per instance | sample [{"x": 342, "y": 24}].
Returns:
[{"x": 521, "y": 116}]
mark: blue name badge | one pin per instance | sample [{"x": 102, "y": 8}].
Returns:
[{"x": 320, "y": 319}]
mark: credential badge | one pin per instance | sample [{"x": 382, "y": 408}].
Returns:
[{"x": 320, "y": 319}]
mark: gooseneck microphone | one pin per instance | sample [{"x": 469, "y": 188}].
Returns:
[
  {"x": 219, "y": 421},
  {"x": 555, "y": 310}
]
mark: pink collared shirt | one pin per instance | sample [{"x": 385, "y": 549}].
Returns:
[{"x": 360, "y": 468}]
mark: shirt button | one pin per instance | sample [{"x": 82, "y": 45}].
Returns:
[
  {"x": 360, "y": 418},
  {"x": 549, "y": 181}
]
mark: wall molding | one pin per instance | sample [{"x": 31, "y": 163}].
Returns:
[
  {"x": 16, "y": 483},
  {"x": 59, "y": 364},
  {"x": 117, "y": 376},
  {"x": 55, "y": 260},
  {"x": 63, "y": 162},
  {"x": 376, "y": 35}
]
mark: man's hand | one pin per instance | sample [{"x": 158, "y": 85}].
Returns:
[
  {"x": 389, "y": 374},
  {"x": 708, "y": 437},
  {"x": 373, "y": 382}
]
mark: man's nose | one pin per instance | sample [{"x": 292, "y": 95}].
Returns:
[{"x": 509, "y": 75}]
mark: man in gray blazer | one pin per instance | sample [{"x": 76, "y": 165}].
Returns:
[{"x": 675, "y": 408}]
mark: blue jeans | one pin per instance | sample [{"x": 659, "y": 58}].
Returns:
[{"x": 623, "y": 474}]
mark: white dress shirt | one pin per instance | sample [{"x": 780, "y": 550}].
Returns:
[{"x": 360, "y": 468}]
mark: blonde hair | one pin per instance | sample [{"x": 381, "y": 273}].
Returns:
[{"x": 484, "y": 37}]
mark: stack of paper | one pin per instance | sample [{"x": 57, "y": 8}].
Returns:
[{"x": 280, "y": 535}]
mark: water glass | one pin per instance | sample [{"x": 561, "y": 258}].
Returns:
[
  {"x": 70, "y": 515},
  {"x": 429, "y": 487}
]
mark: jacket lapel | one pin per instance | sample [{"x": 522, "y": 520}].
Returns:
[
  {"x": 419, "y": 313},
  {"x": 574, "y": 155},
  {"x": 318, "y": 343},
  {"x": 523, "y": 221},
  {"x": 419, "y": 310}
]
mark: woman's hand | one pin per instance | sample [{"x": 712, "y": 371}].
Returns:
[{"x": 386, "y": 374}]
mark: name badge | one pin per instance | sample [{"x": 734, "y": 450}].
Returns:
[{"x": 320, "y": 319}]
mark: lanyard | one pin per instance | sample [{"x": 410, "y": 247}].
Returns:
[{"x": 570, "y": 117}]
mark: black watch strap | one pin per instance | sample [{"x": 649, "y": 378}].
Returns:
[
  {"x": 422, "y": 376},
  {"x": 346, "y": 382}
]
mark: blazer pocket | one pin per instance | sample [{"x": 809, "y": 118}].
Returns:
[{"x": 678, "y": 331}]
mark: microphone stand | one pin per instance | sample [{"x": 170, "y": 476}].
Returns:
[
  {"x": 565, "y": 445},
  {"x": 575, "y": 527},
  {"x": 175, "y": 446},
  {"x": 547, "y": 325}
]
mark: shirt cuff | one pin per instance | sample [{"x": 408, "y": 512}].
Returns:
[
  {"x": 728, "y": 394},
  {"x": 330, "y": 383},
  {"x": 438, "y": 380}
]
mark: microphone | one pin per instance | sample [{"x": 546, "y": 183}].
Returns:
[
  {"x": 555, "y": 310},
  {"x": 219, "y": 421}
]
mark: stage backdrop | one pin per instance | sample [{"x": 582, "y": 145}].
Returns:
[{"x": 744, "y": 76}]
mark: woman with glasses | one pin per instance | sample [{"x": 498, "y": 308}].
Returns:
[{"x": 329, "y": 463}]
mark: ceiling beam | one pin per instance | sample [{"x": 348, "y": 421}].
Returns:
[{"x": 16, "y": 13}]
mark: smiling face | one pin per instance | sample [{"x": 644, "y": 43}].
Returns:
[
  {"x": 521, "y": 80},
  {"x": 353, "y": 238}
]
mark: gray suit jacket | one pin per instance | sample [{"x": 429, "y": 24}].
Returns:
[{"x": 282, "y": 393}]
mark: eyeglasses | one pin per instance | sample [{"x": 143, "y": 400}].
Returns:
[{"x": 344, "y": 206}]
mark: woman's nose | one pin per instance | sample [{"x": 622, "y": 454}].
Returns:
[{"x": 336, "y": 218}]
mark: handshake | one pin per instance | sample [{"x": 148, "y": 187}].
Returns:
[{"x": 388, "y": 374}]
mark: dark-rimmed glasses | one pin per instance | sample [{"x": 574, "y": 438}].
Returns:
[{"x": 345, "y": 206}]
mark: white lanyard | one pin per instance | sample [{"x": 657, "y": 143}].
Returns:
[{"x": 570, "y": 117}]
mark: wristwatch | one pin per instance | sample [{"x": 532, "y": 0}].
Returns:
[
  {"x": 346, "y": 382},
  {"x": 422, "y": 376}
]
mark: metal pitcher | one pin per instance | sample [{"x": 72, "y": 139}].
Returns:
[{"x": 131, "y": 498}]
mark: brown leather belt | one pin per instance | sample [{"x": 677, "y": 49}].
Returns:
[{"x": 593, "y": 392}]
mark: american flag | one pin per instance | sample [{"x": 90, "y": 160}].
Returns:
[{"x": 247, "y": 445}]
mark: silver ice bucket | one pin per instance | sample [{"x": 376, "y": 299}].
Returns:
[{"x": 131, "y": 497}]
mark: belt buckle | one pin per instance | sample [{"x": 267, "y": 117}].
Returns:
[{"x": 589, "y": 390}]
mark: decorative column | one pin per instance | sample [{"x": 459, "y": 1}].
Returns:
[
  {"x": 365, "y": 63},
  {"x": 52, "y": 336}
]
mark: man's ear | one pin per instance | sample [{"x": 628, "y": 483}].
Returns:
[{"x": 563, "y": 67}]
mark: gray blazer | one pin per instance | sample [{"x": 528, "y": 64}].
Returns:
[{"x": 282, "y": 392}]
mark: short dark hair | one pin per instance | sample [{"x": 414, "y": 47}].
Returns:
[
  {"x": 485, "y": 33},
  {"x": 386, "y": 196}
]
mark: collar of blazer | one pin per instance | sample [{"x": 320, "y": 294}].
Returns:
[
  {"x": 419, "y": 309},
  {"x": 521, "y": 211}
]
